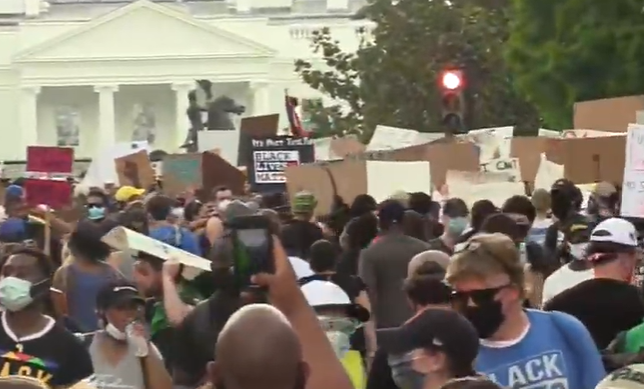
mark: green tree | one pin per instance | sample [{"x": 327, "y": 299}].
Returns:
[
  {"x": 392, "y": 78},
  {"x": 561, "y": 52}
]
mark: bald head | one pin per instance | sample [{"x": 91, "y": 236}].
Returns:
[
  {"x": 257, "y": 348},
  {"x": 427, "y": 256}
]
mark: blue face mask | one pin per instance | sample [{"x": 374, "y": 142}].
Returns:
[
  {"x": 403, "y": 374},
  {"x": 95, "y": 213},
  {"x": 457, "y": 225}
]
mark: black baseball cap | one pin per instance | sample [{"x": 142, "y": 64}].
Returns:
[
  {"x": 114, "y": 294},
  {"x": 391, "y": 211},
  {"x": 439, "y": 329}
]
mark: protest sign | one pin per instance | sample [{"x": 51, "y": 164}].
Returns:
[
  {"x": 53, "y": 193},
  {"x": 393, "y": 138},
  {"x": 227, "y": 142},
  {"x": 503, "y": 165},
  {"x": 50, "y": 159},
  {"x": 633, "y": 184},
  {"x": 181, "y": 171},
  {"x": 610, "y": 115},
  {"x": 218, "y": 171},
  {"x": 257, "y": 127},
  {"x": 492, "y": 143},
  {"x": 474, "y": 186},
  {"x": 589, "y": 160},
  {"x": 123, "y": 239},
  {"x": 528, "y": 150},
  {"x": 548, "y": 173},
  {"x": 269, "y": 158},
  {"x": 135, "y": 170},
  {"x": 350, "y": 178}
]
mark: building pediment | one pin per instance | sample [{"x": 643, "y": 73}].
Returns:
[{"x": 145, "y": 30}]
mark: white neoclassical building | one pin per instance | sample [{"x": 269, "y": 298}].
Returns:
[{"x": 89, "y": 73}]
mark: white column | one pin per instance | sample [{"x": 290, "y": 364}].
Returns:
[
  {"x": 106, "y": 117},
  {"x": 182, "y": 123},
  {"x": 29, "y": 115},
  {"x": 261, "y": 98}
]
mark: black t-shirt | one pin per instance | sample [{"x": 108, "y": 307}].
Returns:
[
  {"x": 380, "y": 374},
  {"x": 55, "y": 356},
  {"x": 606, "y": 307}
]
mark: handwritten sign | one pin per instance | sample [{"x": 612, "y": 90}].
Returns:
[
  {"x": 135, "y": 170},
  {"x": 124, "y": 239},
  {"x": 503, "y": 165},
  {"x": 49, "y": 159},
  {"x": 633, "y": 184},
  {"x": 54, "y": 193},
  {"x": 271, "y": 156}
]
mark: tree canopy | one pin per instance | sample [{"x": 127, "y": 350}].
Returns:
[
  {"x": 575, "y": 50},
  {"x": 392, "y": 78}
]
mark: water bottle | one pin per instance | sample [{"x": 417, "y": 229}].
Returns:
[{"x": 138, "y": 341}]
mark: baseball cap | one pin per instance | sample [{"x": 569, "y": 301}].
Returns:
[
  {"x": 326, "y": 294},
  {"x": 628, "y": 377},
  {"x": 615, "y": 230},
  {"x": 303, "y": 202},
  {"x": 391, "y": 211},
  {"x": 14, "y": 191},
  {"x": 125, "y": 193},
  {"x": 114, "y": 294},
  {"x": 441, "y": 329},
  {"x": 455, "y": 207}
]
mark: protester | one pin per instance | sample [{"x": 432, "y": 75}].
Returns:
[
  {"x": 423, "y": 204},
  {"x": 359, "y": 233},
  {"x": 455, "y": 220},
  {"x": 126, "y": 195},
  {"x": 433, "y": 347},
  {"x": 414, "y": 225},
  {"x": 519, "y": 348},
  {"x": 481, "y": 209},
  {"x": 219, "y": 198},
  {"x": 417, "y": 261},
  {"x": 34, "y": 345},
  {"x": 121, "y": 352},
  {"x": 383, "y": 265},
  {"x": 565, "y": 202},
  {"x": 22, "y": 382},
  {"x": 299, "y": 234},
  {"x": 84, "y": 274},
  {"x": 602, "y": 203},
  {"x": 323, "y": 263},
  {"x": 171, "y": 298},
  {"x": 628, "y": 377},
  {"x": 96, "y": 205},
  {"x": 339, "y": 317},
  {"x": 608, "y": 303},
  {"x": 159, "y": 208},
  {"x": 576, "y": 269}
]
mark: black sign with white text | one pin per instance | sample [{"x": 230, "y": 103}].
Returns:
[{"x": 271, "y": 156}]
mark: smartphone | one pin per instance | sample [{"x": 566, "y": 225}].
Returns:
[{"x": 253, "y": 247}]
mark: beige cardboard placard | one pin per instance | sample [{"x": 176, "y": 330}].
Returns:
[
  {"x": 135, "y": 170},
  {"x": 612, "y": 114},
  {"x": 589, "y": 160}
]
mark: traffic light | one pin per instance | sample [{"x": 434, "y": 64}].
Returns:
[{"x": 452, "y": 84}]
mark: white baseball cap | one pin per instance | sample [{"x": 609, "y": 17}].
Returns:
[
  {"x": 628, "y": 377},
  {"x": 326, "y": 294},
  {"x": 615, "y": 230}
]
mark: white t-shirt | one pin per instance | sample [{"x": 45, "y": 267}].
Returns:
[{"x": 563, "y": 279}]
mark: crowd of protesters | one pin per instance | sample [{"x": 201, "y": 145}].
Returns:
[{"x": 408, "y": 293}]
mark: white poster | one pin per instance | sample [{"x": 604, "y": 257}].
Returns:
[
  {"x": 384, "y": 178},
  {"x": 270, "y": 165},
  {"x": 633, "y": 185},
  {"x": 227, "y": 142}
]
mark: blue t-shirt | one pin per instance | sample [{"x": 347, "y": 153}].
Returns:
[
  {"x": 557, "y": 353},
  {"x": 177, "y": 237}
]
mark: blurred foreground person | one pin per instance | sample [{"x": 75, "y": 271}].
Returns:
[{"x": 519, "y": 348}]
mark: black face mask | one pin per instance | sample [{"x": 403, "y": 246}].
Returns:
[{"x": 486, "y": 318}]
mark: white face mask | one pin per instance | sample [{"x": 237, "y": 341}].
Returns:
[
  {"x": 115, "y": 332},
  {"x": 338, "y": 330},
  {"x": 577, "y": 250}
]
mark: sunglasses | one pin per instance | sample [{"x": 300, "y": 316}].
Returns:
[{"x": 479, "y": 297}]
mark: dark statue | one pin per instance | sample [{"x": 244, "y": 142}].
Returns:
[{"x": 218, "y": 113}]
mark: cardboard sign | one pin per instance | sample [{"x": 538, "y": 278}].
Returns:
[
  {"x": 218, "y": 171},
  {"x": 123, "y": 239},
  {"x": 503, "y": 165},
  {"x": 594, "y": 159},
  {"x": 257, "y": 127},
  {"x": 350, "y": 178},
  {"x": 271, "y": 156},
  {"x": 53, "y": 193},
  {"x": 633, "y": 186},
  {"x": 50, "y": 159},
  {"x": 614, "y": 114},
  {"x": 180, "y": 172},
  {"x": 135, "y": 170}
]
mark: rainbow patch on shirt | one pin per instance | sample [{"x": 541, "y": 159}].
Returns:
[{"x": 29, "y": 359}]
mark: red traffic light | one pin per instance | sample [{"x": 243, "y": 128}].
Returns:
[{"x": 452, "y": 79}]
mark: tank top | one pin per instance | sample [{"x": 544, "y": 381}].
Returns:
[
  {"x": 127, "y": 373},
  {"x": 81, "y": 294}
]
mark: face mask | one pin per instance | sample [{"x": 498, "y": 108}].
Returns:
[
  {"x": 340, "y": 342},
  {"x": 578, "y": 250},
  {"x": 456, "y": 226},
  {"x": 485, "y": 318},
  {"x": 96, "y": 213},
  {"x": 403, "y": 374},
  {"x": 115, "y": 332},
  {"x": 15, "y": 293},
  {"x": 177, "y": 212}
]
